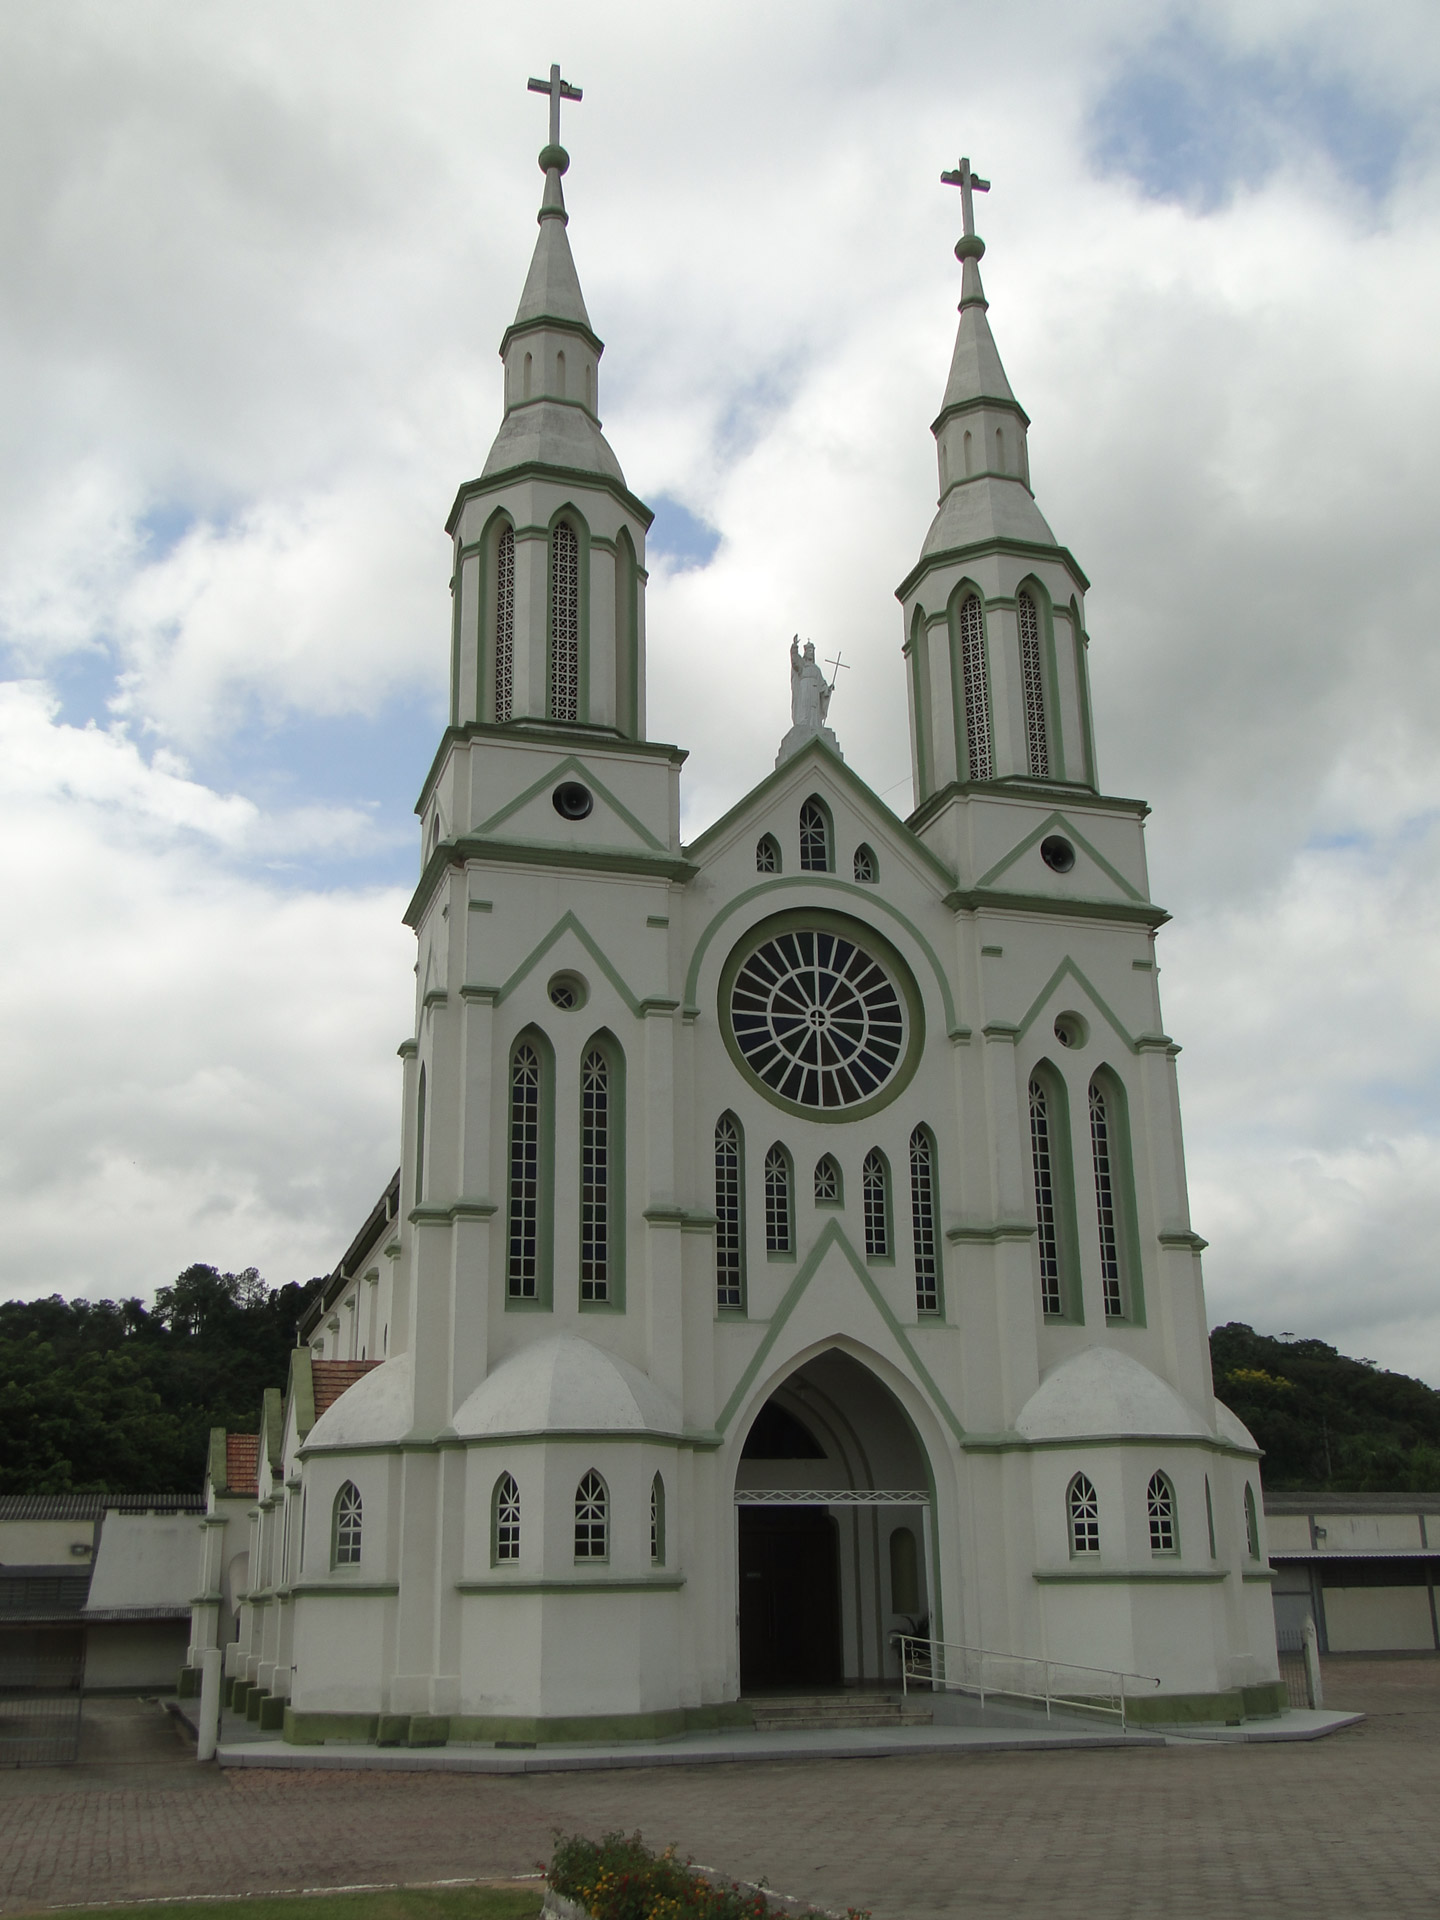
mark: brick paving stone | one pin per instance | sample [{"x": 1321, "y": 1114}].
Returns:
[{"x": 1335, "y": 1829}]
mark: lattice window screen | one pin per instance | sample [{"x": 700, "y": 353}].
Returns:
[
  {"x": 1033, "y": 682},
  {"x": 564, "y": 623},
  {"x": 505, "y": 624},
  {"x": 977, "y": 688}
]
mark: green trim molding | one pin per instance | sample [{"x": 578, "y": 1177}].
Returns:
[{"x": 1135, "y": 1576}]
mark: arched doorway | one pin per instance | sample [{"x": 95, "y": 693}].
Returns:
[{"x": 832, "y": 1511}]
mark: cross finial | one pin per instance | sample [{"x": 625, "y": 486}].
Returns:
[
  {"x": 967, "y": 182},
  {"x": 558, "y": 90}
]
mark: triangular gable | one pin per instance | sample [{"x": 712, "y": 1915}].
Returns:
[
  {"x": 572, "y": 766},
  {"x": 1057, "y": 822},
  {"x": 1067, "y": 969},
  {"x": 835, "y": 1236},
  {"x": 568, "y": 923}
]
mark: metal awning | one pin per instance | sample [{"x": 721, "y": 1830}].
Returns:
[{"x": 831, "y": 1497}]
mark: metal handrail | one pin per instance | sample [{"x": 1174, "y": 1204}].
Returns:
[{"x": 930, "y": 1662}]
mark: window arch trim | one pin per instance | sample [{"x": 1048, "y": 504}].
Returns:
[
  {"x": 629, "y": 677},
  {"x": 540, "y": 1297},
  {"x": 925, "y": 1223},
  {"x": 877, "y": 1198},
  {"x": 779, "y": 1174},
  {"x": 1163, "y": 1517},
  {"x": 657, "y": 1521},
  {"x": 729, "y": 1145},
  {"x": 866, "y": 866},
  {"x": 970, "y": 685},
  {"x": 1054, "y": 732},
  {"x": 1252, "y": 1523},
  {"x": 1082, "y": 1516},
  {"x": 1125, "y": 1222},
  {"x": 505, "y": 1523},
  {"x": 767, "y": 850},
  {"x": 608, "y": 1047},
  {"x": 592, "y": 1519},
  {"x": 827, "y": 1164}
]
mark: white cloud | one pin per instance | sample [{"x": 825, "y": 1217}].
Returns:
[{"x": 257, "y": 276}]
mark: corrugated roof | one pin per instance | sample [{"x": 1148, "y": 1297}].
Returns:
[
  {"x": 43, "y": 1593},
  {"x": 90, "y": 1506},
  {"x": 332, "y": 1377},
  {"x": 242, "y": 1462}
]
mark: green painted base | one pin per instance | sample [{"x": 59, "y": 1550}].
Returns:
[
  {"x": 436, "y": 1730},
  {"x": 187, "y": 1687},
  {"x": 272, "y": 1713},
  {"x": 1229, "y": 1709}
]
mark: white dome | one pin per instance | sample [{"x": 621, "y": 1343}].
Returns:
[
  {"x": 380, "y": 1407},
  {"x": 564, "y": 1384},
  {"x": 1103, "y": 1391},
  {"x": 1231, "y": 1427}
]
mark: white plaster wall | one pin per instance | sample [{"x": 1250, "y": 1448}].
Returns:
[
  {"x": 146, "y": 1560},
  {"x": 45, "y": 1543}
]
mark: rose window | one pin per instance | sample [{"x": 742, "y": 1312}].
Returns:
[{"x": 818, "y": 1020}]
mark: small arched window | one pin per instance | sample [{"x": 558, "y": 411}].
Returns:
[
  {"x": 814, "y": 837},
  {"x": 1032, "y": 681},
  {"x": 1252, "y": 1524},
  {"x": 999, "y": 450},
  {"x": 1210, "y": 1517},
  {"x": 420, "y": 1139},
  {"x": 505, "y": 1520},
  {"x": 1083, "y": 1509},
  {"x": 523, "y": 1259},
  {"x": 767, "y": 854},
  {"x": 564, "y": 622},
  {"x": 829, "y": 1191},
  {"x": 345, "y": 1550},
  {"x": 922, "y": 1215},
  {"x": 977, "y": 688},
  {"x": 1160, "y": 1506},
  {"x": 779, "y": 1210},
  {"x": 867, "y": 867},
  {"x": 1047, "y": 1235},
  {"x": 592, "y": 1518},
  {"x": 969, "y": 452},
  {"x": 729, "y": 1214},
  {"x": 657, "y": 1522},
  {"x": 505, "y": 624},
  {"x": 875, "y": 1186},
  {"x": 560, "y": 374},
  {"x": 529, "y": 375},
  {"x": 596, "y": 1161}
]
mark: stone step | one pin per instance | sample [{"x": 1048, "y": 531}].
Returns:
[{"x": 816, "y": 1712}]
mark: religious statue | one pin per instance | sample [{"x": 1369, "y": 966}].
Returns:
[{"x": 809, "y": 689}]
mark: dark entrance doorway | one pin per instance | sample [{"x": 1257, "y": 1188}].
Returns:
[{"x": 789, "y": 1598}]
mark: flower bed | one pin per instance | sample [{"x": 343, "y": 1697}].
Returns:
[{"x": 615, "y": 1878}]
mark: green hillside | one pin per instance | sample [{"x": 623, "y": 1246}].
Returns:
[{"x": 1325, "y": 1420}]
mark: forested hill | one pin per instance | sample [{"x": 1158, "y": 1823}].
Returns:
[
  {"x": 111, "y": 1396},
  {"x": 115, "y": 1397},
  {"x": 1326, "y": 1421}
]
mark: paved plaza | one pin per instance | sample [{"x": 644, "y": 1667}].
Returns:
[{"x": 1340, "y": 1827}]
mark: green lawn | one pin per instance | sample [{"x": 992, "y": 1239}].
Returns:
[{"x": 399, "y": 1903}]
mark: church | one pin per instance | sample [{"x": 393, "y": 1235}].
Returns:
[{"x": 790, "y": 1249}]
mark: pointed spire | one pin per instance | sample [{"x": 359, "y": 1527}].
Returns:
[
  {"x": 552, "y": 286},
  {"x": 975, "y": 369}
]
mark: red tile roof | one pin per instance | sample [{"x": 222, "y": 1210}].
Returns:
[
  {"x": 242, "y": 1462},
  {"x": 332, "y": 1377}
]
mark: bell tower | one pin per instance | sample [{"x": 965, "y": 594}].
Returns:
[
  {"x": 549, "y": 581},
  {"x": 994, "y": 626}
]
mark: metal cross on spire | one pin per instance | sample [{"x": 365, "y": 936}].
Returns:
[
  {"x": 963, "y": 178},
  {"x": 559, "y": 90}
]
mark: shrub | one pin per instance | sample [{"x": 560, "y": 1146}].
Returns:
[{"x": 615, "y": 1878}]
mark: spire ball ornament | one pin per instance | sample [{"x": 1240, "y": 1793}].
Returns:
[
  {"x": 552, "y": 154},
  {"x": 969, "y": 246}
]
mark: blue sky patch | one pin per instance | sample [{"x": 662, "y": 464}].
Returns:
[
  {"x": 1189, "y": 120},
  {"x": 679, "y": 536}
]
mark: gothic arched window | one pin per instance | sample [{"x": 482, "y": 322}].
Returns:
[
  {"x": 867, "y": 867},
  {"x": 815, "y": 837},
  {"x": 420, "y": 1139},
  {"x": 875, "y": 1188},
  {"x": 564, "y": 622},
  {"x": 729, "y": 1214},
  {"x": 505, "y": 624},
  {"x": 505, "y": 1519},
  {"x": 779, "y": 1186},
  {"x": 596, "y": 1162},
  {"x": 592, "y": 1518},
  {"x": 1252, "y": 1524},
  {"x": 526, "y": 1086},
  {"x": 829, "y": 1189},
  {"x": 1082, "y": 1506},
  {"x": 922, "y": 1214},
  {"x": 1105, "y": 1211},
  {"x": 1160, "y": 1506},
  {"x": 657, "y": 1522},
  {"x": 345, "y": 1550},
  {"x": 977, "y": 689},
  {"x": 767, "y": 854},
  {"x": 1043, "y": 1145},
  {"x": 1032, "y": 681}
]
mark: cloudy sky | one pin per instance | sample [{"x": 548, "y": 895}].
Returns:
[{"x": 256, "y": 264}]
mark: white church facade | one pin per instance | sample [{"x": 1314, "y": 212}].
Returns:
[{"x": 791, "y": 1244}]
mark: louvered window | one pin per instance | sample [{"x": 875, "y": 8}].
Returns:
[
  {"x": 505, "y": 624},
  {"x": 1033, "y": 683},
  {"x": 977, "y": 690},
  {"x": 564, "y": 623}
]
